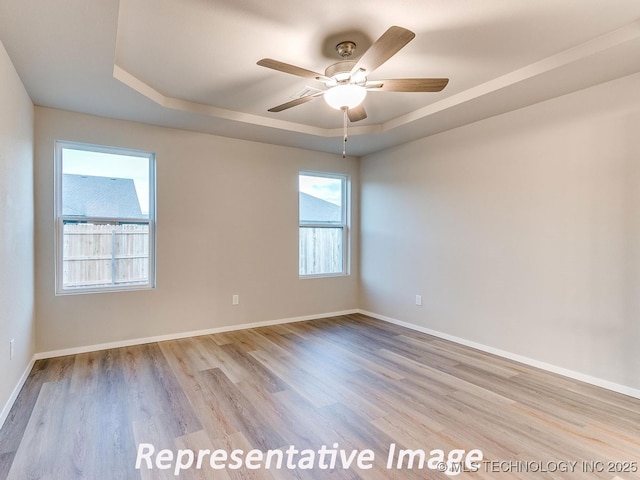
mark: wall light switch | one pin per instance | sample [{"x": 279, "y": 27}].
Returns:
[
  {"x": 11, "y": 350},
  {"x": 419, "y": 300},
  {"x": 235, "y": 300}
]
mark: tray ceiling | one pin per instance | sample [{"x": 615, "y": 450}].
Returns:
[{"x": 191, "y": 64}]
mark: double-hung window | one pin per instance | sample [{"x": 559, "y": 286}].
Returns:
[
  {"x": 323, "y": 224},
  {"x": 105, "y": 218}
]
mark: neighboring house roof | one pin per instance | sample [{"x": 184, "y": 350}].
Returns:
[
  {"x": 88, "y": 196},
  {"x": 314, "y": 209}
]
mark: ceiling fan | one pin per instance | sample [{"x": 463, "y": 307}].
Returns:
[{"x": 347, "y": 81}]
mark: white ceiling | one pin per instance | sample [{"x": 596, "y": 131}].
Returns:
[{"x": 191, "y": 64}]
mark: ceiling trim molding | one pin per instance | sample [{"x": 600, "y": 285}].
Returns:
[{"x": 174, "y": 103}]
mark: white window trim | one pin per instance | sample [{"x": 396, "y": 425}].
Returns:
[
  {"x": 345, "y": 225},
  {"x": 59, "y": 219}
]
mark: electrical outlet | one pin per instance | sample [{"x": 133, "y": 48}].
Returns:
[
  {"x": 419, "y": 300},
  {"x": 235, "y": 300},
  {"x": 11, "y": 351}
]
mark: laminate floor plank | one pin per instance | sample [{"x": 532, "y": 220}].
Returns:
[
  {"x": 204, "y": 406},
  {"x": 520, "y": 390},
  {"x": 37, "y": 456},
  {"x": 193, "y": 352},
  {"x": 219, "y": 358},
  {"x": 317, "y": 351},
  {"x": 329, "y": 369},
  {"x": 243, "y": 416},
  {"x": 158, "y": 431},
  {"x": 195, "y": 442},
  {"x": 6, "y": 460},
  {"x": 268, "y": 343},
  {"x": 613, "y": 436},
  {"x": 359, "y": 355},
  {"x": 429, "y": 414},
  {"x": 348, "y": 382},
  {"x": 580, "y": 443},
  {"x": 96, "y": 419},
  {"x": 469, "y": 356},
  {"x": 320, "y": 427},
  {"x": 155, "y": 391},
  {"x": 254, "y": 370},
  {"x": 360, "y": 432},
  {"x": 419, "y": 370},
  {"x": 14, "y": 426},
  {"x": 286, "y": 422},
  {"x": 238, "y": 441},
  {"x": 297, "y": 378}
]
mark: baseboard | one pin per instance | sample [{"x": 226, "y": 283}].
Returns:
[
  {"x": 16, "y": 391},
  {"x": 565, "y": 372},
  {"x": 176, "y": 336}
]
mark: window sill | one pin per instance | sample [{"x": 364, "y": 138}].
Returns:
[
  {"x": 323, "y": 275},
  {"x": 87, "y": 291}
]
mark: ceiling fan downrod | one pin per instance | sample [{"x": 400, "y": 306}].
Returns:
[{"x": 344, "y": 127}]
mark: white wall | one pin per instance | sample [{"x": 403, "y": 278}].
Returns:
[
  {"x": 522, "y": 232},
  {"x": 17, "y": 317},
  {"x": 227, "y": 224}
]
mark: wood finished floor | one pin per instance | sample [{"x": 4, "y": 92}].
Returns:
[{"x": 351, "y": 380}]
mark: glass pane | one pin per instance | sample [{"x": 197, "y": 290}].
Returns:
[
  {"x": 320, "y": 199},
  {"x": 98, "y": 184},
  {"x": 321, "y": 251},
  {"x": 102, "y": 255}
]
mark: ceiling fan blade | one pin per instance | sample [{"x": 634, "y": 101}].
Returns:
[
  {"x": 356, "y": 114},
  {"x": 409, "y": 85},
  {"x": 390, "y": 43},
  {"x": 296, "y": 102},
  {"x": 291, "y": 69}
]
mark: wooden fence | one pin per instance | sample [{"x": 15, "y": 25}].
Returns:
[
  {"x": 321, "y": 250},
  {"x": 99, "y": 255}
]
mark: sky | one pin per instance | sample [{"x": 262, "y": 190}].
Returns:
[
  {"x": 97, "y": 164},
  {"x": 329, "y": 189}
]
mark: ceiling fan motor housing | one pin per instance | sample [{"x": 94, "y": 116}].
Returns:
[{"x": 340, "y": 71}]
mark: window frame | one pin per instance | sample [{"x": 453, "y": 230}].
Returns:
[
  {"x": 344, "y": 224},
  {"x": 60, "y": 219}
]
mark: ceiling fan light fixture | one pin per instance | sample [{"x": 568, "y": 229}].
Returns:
[{"x": 345, "y": 96}]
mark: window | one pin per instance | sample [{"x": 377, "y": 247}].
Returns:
[
  {"x": 323, "y": 225},
  {"x": 105, "y": 218}
]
